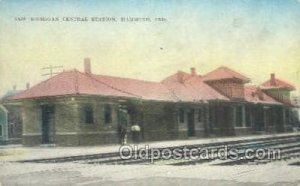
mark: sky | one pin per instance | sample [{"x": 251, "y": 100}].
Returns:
[{"x": 254, "y": 37}]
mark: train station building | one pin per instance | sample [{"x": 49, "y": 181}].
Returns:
[{"x": 81, "y": 108}]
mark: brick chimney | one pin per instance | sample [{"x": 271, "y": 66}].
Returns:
[
  {"x": 27, "y": 85},
  {"x": 87, "y": 65},
  {"x": 193, "y": 71},
  {"x": 272, "y": 80}
]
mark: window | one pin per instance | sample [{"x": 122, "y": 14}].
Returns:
[
  {"x": 248, "y": 117},
  {"x": 200, "y": 112},
  {"x": 181, "y": 115},
  {"x": 0, "y": 130},
  {"x": 287, "y": 116},
  {"x": 239, "y": 116},
  {"x": 11, "y": 129},
  {"x": 88, "y": 114},
  {"x": 107, "y": 114}
]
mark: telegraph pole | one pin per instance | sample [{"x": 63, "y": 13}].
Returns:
[{"x": 51, "y": 70}]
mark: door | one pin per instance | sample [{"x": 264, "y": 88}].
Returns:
[
  {"x": 191, "y": 122},
  {"x": 226, "y": 121},
  {"x": 47, "y": 124},
  {"x": 259, "y": 120},
  {"x": 122, "y": 125},
  {"x": 279, "y": 120}
]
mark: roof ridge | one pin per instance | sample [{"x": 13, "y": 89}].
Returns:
[
  {"x": 109, "y": 85},
  {"x": 141, "y": 80},
  {"x": 224, "y": 72},
  {"x": 229, "y": 70}
]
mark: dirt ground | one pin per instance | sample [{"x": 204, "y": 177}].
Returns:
[{"x": 88, "y": 174}]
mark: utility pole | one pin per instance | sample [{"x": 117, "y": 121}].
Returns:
[{"x": 51, "y": 70}]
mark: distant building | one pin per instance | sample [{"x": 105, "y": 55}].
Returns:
[
  {"x": 10, "y": 119},
  {"x": 3, "y": 125},
  {"x": 82, "y": 108},
  {"x": 296, "y": 110}
]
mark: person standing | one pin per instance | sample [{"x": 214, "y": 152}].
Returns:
[
  {"x": 122, "y": 126},
  {"x": 135, "y": 130}
]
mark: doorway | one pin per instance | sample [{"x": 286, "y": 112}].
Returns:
[
  {"x": 225, "y": 120},
  {"x": 47, "y": 124},
  {"x": 259, "y": 121},
  {"x": 191, "y": 122}
]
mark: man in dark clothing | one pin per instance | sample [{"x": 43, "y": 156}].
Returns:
[{"x": 122, "y": 126}]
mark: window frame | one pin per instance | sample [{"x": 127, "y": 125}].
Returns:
[
  {"x": 88, "y": 113},
  {"x": 107, "y": 114},
  {"x": 181, "y": 115},
  {"x": 239, "y": 116},
  {"x": 248, "y": 117},
  {"x": 11, "y": 128},
  {"x": 200, "y": 115}
]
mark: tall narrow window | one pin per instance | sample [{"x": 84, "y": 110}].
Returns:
[
  {"x": 88, "y": 114},
  {"x": 200, "y": 112},
  {"x": 181, "y": 115},
  {"x": 248, "y": 117},
  {"x": 11, "y": 129},
  {"x": 107, "y": 114},
  {"x": 239, "y": 118}
]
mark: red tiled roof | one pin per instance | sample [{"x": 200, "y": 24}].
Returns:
[
  {"x": 77, "y": 83},
  {"x": 222, "y": 73},
  {"x": 180, "y": 86},
  {"x": 255, "y": 95},
  {"x": 174, "y": 77},
  {"x": 278, "y": 84},
  {"x": 144, "y": 89},
  {"x": 191, "y": 89},
  {"x": 70, "y": 83}
]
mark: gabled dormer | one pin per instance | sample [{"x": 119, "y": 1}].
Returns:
[
  {"x": 227, "y": 81},
  {"x": 189, "y": 87},
  {"x": 278, "y": 89}
]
